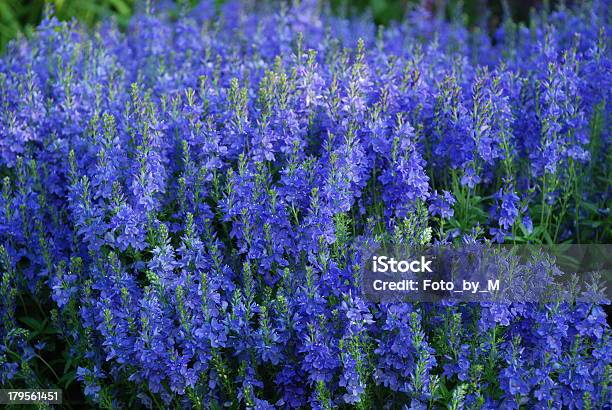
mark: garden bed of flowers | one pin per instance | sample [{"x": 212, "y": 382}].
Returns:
[{"x": 185, "y": 204}]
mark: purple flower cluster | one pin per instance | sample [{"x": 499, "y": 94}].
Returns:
[{"x": 194, "y": 195}]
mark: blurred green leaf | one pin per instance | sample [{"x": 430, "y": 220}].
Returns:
[{"x": 122, "y": 7}]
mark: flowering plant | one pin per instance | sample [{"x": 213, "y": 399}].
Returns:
[{"x": 184, "y": 206}]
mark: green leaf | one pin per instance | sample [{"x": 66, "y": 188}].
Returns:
[
  {"x": 67, "y": 379},
  {"x": 121, "y": 7},
  {"x": 547, "y": 238},
  {"x": 32, "y": 323}
]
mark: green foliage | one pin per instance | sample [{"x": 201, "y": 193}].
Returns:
[{"x": 19, "y": 17}]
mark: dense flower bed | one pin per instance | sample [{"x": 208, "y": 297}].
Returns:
[{"x": 186, "y": 204}]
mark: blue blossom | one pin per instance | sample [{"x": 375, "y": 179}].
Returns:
[
  {"x": 442, "y": 204},
  {"x": 189, "y": 201}
]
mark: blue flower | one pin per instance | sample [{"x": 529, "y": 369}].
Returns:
[
  {"x": 190, "y": 200},
  {"x": 442, "y": 205}
]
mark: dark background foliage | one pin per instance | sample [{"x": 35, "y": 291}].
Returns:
[{"x": 21, "y": 16}]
